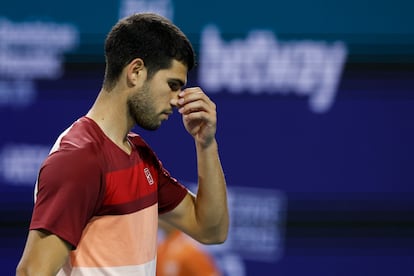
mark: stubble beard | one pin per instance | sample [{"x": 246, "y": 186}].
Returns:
[{"x": 141, "y": 109}]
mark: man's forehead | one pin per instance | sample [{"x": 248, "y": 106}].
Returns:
[{"x": 177, "y": 73}]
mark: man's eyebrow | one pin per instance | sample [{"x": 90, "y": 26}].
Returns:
[{"x": 179, "y": 81}]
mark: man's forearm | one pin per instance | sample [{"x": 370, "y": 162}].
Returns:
[{"x": 211, "y": 202}]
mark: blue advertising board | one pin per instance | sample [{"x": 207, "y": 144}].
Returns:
[{"x": 315, "y": 103}]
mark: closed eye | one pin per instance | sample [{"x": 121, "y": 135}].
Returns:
[{"x": 175, "y": 85}]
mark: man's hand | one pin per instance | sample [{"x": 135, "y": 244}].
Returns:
[
  {"x": 199, "y": 115},
  {"x": 195, "y": 215}
]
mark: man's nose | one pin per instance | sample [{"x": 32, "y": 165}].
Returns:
[{"x": 174, "y": 100}]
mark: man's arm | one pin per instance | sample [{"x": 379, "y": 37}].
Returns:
[
  {"x": 44, "y": 254},
  {"x": 205, "y": 216}
]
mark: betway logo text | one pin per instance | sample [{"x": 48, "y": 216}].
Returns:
[{"x": 262, "y": 64}]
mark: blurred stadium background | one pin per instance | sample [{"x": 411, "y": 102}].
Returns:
[{"x": 315, "y": 103}]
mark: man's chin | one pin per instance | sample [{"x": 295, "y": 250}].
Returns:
[{"x": 151, "y": 127}]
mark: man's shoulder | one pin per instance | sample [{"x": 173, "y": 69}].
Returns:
[
  {"x": 80, "y": 140},
  {"x": 142, "y": 147},
  {"x": 137, "y": 140}
]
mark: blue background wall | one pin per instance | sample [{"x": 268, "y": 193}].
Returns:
[{"x": 345, "y": 174}]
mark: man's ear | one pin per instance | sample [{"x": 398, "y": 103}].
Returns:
[{"x": 136, "y": 72}]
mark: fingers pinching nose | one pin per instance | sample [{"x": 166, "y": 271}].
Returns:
[{"x": 174, "y": 102}]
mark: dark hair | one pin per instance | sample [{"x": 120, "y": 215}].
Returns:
[{"x": 151, "y": 37}]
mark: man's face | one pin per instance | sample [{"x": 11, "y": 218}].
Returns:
[{"x": 151, "y": 103}]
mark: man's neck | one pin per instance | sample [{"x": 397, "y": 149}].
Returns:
[{"x": 110, "y": 113}]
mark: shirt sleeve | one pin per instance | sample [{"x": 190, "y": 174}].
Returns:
[
  {"x": 69, "y": 192},
  {"x": 170, "y": 191}
]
